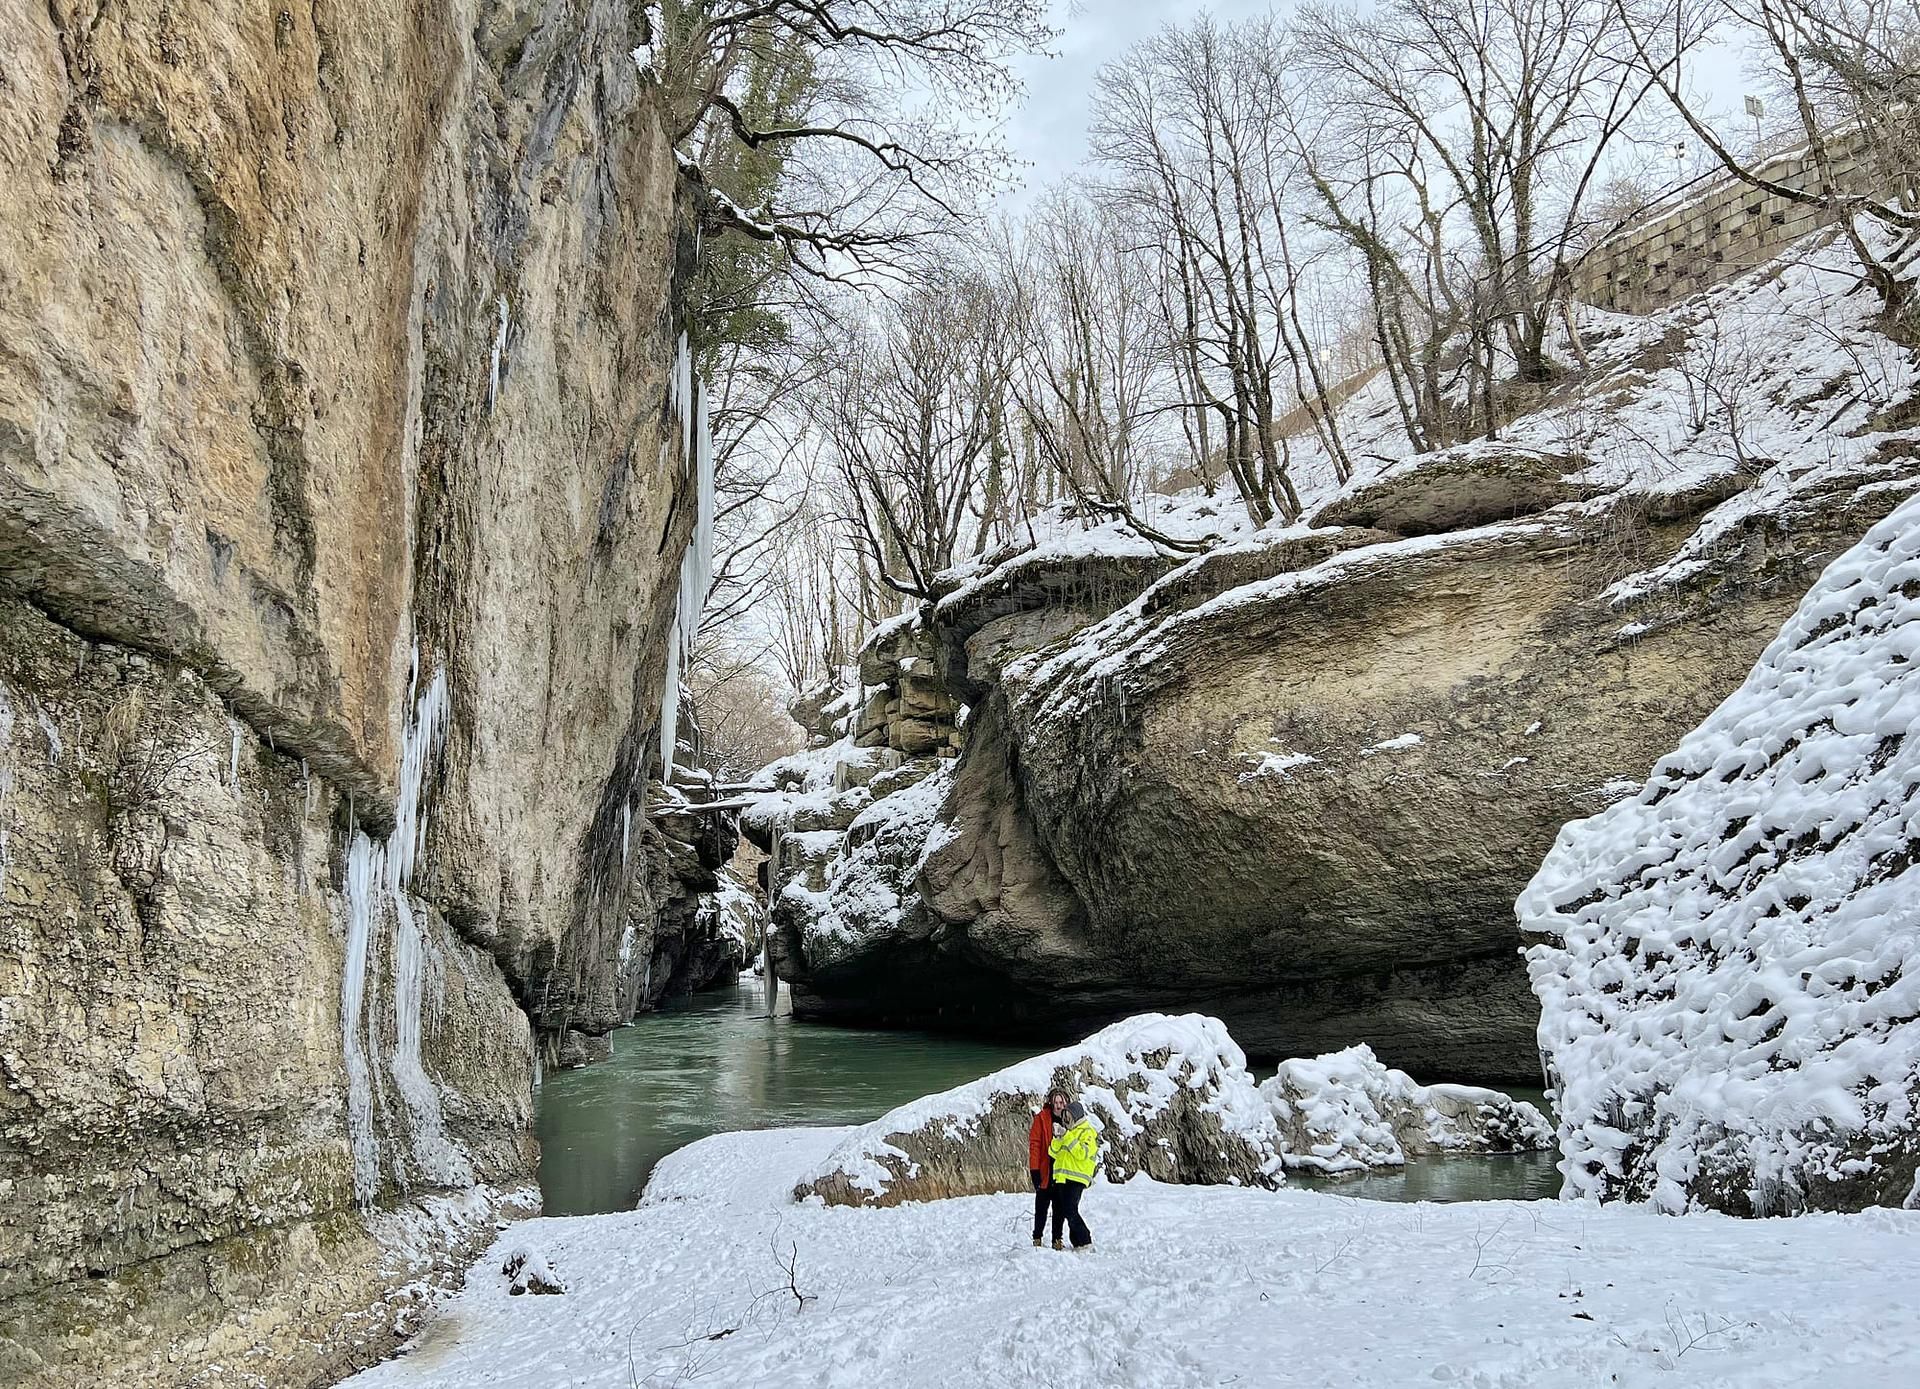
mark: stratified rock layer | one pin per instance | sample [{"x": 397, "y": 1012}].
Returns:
[{"x": 336, "y": 349}]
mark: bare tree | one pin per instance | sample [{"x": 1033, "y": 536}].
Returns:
[
  {"x": 1456, "y": 150},
  {"x": 911, "y": 414},
  {"x": 1174, "y": 123},
  {"x": 878, "y": 146},
  {"x": 1089, "y": 381},
  {"x": 743, "y": 723}
]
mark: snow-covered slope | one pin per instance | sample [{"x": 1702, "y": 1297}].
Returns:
[
  {"x": 719, "y": 1279},
  {"x": 1730, "y": 990},
  {"x": 1761, "y": 390}
]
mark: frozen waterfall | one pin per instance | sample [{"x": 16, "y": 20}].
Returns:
[
  {"x": 378, "y": 875},
  {"x": 688, "y": 398}
]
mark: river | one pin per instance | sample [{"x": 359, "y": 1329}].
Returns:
[{"x": 716, "y": 1062}]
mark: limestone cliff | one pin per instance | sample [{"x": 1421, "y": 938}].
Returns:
[{"x": 343, "y": 494}]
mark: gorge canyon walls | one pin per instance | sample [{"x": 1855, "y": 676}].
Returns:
[{"x": 346, "y": 437}]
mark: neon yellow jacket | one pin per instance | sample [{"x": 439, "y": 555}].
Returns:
[{"x": 1075, "y": 1154}]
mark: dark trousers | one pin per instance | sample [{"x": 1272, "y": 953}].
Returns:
[
  {"x": 1042, "y": 1198},
  {"x": 1066, "y": 1211}
]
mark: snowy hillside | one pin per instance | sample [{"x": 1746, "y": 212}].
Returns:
[
  {"x": 1761, "y": 391},
  {"x": 719, "y": 1279},
  {"x": 1731, "y": 981}
]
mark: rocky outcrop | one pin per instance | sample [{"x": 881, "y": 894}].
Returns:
[
  {"x": 1298, "y": 782},
  {"x": 1468, "y": 487},
  {"x": 1171, "y": 1096},
  {"x": 1727, "y": 962},
  {"x": 341, "y": 514},
  {"x": 904, "y": 706}
]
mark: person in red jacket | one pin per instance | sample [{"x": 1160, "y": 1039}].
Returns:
[{"x": 1052, "y": 1115}]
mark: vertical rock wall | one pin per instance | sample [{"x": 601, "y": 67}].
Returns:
[{"x": 334, "y": 356}]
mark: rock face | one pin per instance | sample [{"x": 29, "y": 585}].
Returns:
[
  {"x": 341, "y": 512},
  {"x": 1305, "y": 803},
  {"x": 1171, "y": 1095},
  {"x": 1729, "y": 973}
]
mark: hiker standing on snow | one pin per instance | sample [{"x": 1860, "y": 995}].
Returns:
[
  {"x": 1052, "y": 1116},
  {"x": 1075, "y": 1154}
]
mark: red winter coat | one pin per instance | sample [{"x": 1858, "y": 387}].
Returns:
[{"x": 1039, "y": 1140}]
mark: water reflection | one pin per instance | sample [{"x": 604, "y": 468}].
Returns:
[
  {"x": 1505, "y": 1177},
  {"x": 716, "y": 1063}
]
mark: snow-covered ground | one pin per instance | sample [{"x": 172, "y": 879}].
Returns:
[{"x": 1187, "y": 1286}]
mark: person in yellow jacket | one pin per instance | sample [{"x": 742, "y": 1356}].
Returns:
[{"x": 1075, "y": 1153}]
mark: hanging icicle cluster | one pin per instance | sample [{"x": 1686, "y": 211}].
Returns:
[{"x": 688, "y": 399}]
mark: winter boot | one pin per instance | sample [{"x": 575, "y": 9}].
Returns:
[
  {"x": 1059, "y": 1244},
  {"x": 1037, "y": 1241}
]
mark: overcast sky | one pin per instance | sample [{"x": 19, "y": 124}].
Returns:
[{"x": 1049, "y": 131}]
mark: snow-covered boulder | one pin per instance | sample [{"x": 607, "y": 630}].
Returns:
[
  {"x": 1730, "y": 980},
  {"x": 1346, "y": 1112},
  {"x": 1172, "y": 1096}
]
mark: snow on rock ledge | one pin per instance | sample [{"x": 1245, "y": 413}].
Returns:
[
  {"x": 1172, "y": 1097},
  {"x": 1730, "y": 987},
  {"x": 1346, "y": 1112}
]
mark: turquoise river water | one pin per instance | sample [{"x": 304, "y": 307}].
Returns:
[{"x": 716, "y": 1062}]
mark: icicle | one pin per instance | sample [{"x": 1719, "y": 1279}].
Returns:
[
  {"x": 499, "y": 347},
  {"x": 233, "y": 756},
  {"x": 696, "y": 565},
  {"x": 6, "y": 778},
  {"x": 362, "y": 870},
  {"x": 626, "y": 831},
  {"x": 378, "y": 876}
]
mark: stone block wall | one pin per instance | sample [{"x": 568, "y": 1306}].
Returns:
[{"x": 1716, "y": 227}]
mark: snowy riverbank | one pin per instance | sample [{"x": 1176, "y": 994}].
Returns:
[{"x": 1189, "y": 1286}]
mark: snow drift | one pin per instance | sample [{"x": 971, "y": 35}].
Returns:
[
  {"x": 1730, "y": 984},
  {"x": 1174, "y": 1100}
]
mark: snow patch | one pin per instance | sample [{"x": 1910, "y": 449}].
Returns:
[{"x": 1399, "y": 744}]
